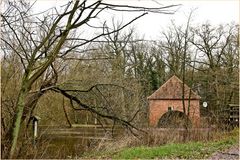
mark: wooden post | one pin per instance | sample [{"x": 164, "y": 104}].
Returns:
[
  {"x": 35, "y": 120},
  {"x": 35, "y": 127}
]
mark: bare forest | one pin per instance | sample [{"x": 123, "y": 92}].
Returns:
[{"x": 51, "y": 70}]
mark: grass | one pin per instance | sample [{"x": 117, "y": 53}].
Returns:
[
  {"x": 187, "y": 150},
  {"x": 190, "y": 150}
]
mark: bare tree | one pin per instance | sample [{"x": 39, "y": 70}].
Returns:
[
  {"x": 41, "y": 42},
  {"x": 217, "y": 45}
]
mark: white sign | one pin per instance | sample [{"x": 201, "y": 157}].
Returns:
[{"x": 205, "y": 104}]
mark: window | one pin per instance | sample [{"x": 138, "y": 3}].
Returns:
[{"x": 169, "y": 108}]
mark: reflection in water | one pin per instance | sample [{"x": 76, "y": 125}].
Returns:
[{"x": 73, "y": 142}]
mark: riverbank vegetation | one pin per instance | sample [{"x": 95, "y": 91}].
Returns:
[{"x": 189, "y": 150}]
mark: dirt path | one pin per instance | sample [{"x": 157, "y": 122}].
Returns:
[{"x": 228, "y": 154}]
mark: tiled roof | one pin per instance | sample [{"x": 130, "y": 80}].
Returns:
[{"x": 172, "y": 89}]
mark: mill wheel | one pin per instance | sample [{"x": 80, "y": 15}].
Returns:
[{"x": 174, "y": 119}]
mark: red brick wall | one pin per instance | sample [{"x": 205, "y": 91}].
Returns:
[{"x": 158, "y": 107}]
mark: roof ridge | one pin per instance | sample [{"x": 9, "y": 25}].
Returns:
[
  {"x": 169, "y": 93},
  {"x": 161, "y": 86}
]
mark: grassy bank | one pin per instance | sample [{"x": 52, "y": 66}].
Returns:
[{"x": 190, "y": 150}]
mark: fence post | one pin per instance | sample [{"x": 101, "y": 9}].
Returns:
[{"x": 35, "y": 120}]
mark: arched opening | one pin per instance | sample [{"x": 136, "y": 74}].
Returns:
[{"x": 174, "y": 119}]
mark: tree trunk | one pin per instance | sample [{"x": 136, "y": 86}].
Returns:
[
  {"x": 66, "y": 115},
  {"x": 17, "y": 121}
]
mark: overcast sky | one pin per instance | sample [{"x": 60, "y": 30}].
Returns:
[{"x": 213, "y": 11}]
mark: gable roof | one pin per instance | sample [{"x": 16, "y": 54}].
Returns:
[{"x": 172, "y": 90}]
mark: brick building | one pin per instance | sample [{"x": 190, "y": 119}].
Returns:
[{"x": 169, "y": 97}]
